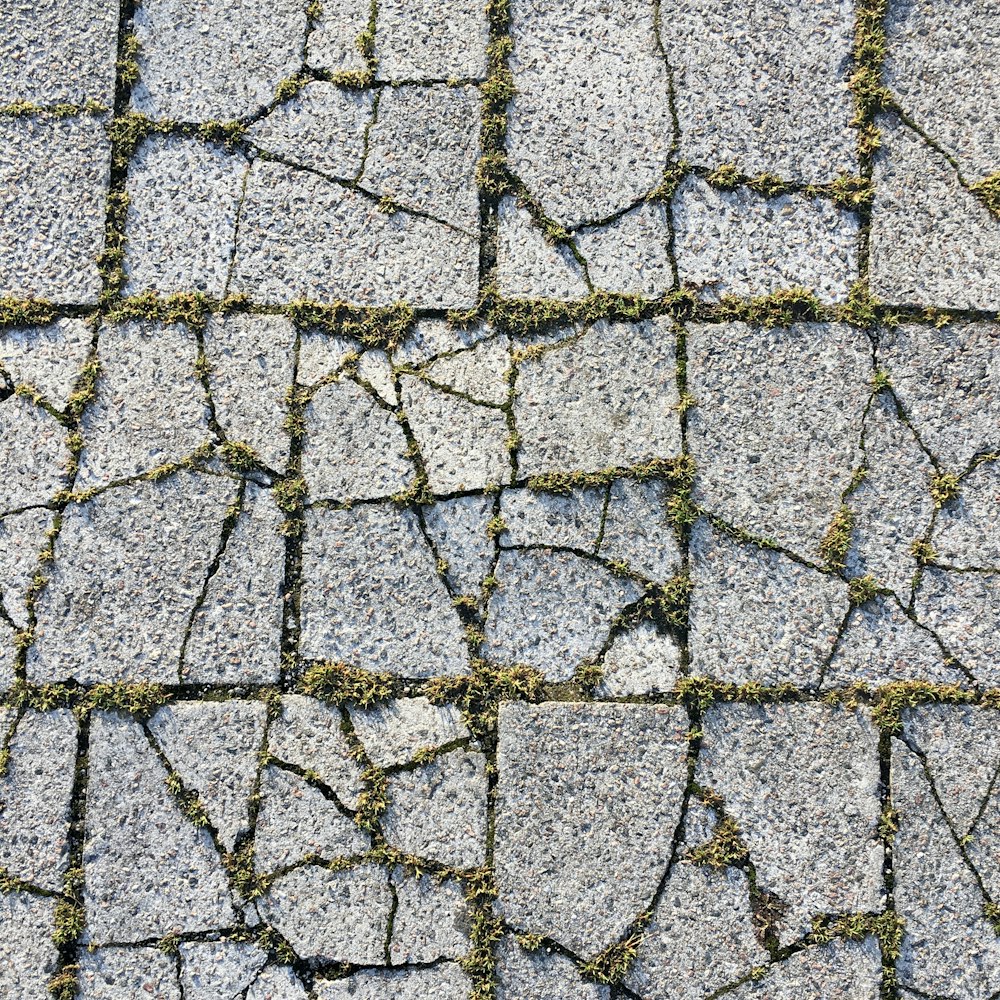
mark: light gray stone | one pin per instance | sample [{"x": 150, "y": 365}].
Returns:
[
  {"x": 54, "y": 175},
  {"x": 640, "y": 661},
  {"x": 541, "y": 975},
  {"x": 553, "y": 610},
  {"x": 741, "y": 243},
  {"x": 127, "y": 973},
  {"x": 395, "y": 730},
  {"x": 277, "y": 982},
  {"x": 764, "y": 87},
  {"x": 133, "y": 426},
  {"x": 534, "y": 517},
  {"x": 931, "y": 239},
  {"x": 392, "y": 609},
  {"x": 35, "y": 791},
  {"x": 149, "y": 872},
  {"x": 801, "y": 781},
  {"x": 214, "y": 746},
  {"x": 46, "y": 357},
  {"x": 321, "y": 355},
  {"x": 590, "y": 128},
  {"x": 637, "y": 530},
  {"x": 27, "y": 955},
  {"x": 630, "y": 254},
  {"x": 429, "y": 338},
  {"x": 442, "y": 982},
  {"x": 585, "y": 790},
  {"x": 422, "y": 151},
  {"x": 420, "y": 40},
  {"x": 33, "y": 454},
  {"x": 336, "y": 916},
  {"x": 214, "y": 969},
  {"x": 200, "y": 62},
  {"x": 128, "y": 569},
  {"x": 59, "y": 51},
  {"x": 375, "y": 369},
  {"x": 22, "y": 538},
  {"x": 776, "y": 433},
  {"x": 967, "y": 532},
  {"x": 431, "y": 920},
  {"x": 757, "y": 615},
  {"x": 480, "y": 372},
  {"x": 333, "y": 42},
  {"x": 580, "y": 408},
  {"x": 458, "y": 529},
  {"x": 8, "y": 662},
  {"x": 438, "y": 811}
]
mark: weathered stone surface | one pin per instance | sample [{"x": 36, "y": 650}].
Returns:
[
  {"x": 47, "y": 357},
  {"x": 539, "y": 975},
  {"x": 394, "y": 731},
  {"x": 214, "y": 969},
  {"x": 479, "y": 372},
  {"x": 637, "y": 530},
  {"x": 562, "y": 520},
  {"x": 27, "y": 955},
  {"x": 967, "y": 532},
  {"x": 443, "y": 982},
  {"x": 631, "y": 254},
  {"x": 22, "y": 539},
  {"x": 277, "y": 982},
  {"x": 421, "y": 40},
  {"x": 126, "y": 973},
  {"x": 640, "y": 661},
  {"x": 429, "y": 338},
  {"x": 322, "y": 355},
  {"x": 333, "y": 42},
  {"x": 458, "y": 529},
  {"x": 777, "y": 430},
  {"x": 431, "y": 920},
  {"x": 33, "y": 453},
  {"x": 621, "y": 770}
]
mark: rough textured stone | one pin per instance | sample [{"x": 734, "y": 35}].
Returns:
[
  {"x": 479, "y": 372},
  {"x": 429, "y": 338},
  {"x": 27, "y": 955},
  {"x": 967, "y": 532},
  {"x": 33, "y": 453},
  {"x": 640, "y": 661},
  {"x": 46, "y": 357},
  {"x": 420, "y": 40},
  {"x": 431, "y": 920},
  {"x": 394, "y": 731},
  {"x": 630, "y": 254},
  {"x": 54, "y": 178},
  {"x": 333, "y": 42},
  {"x": 149, "y": 872},
  {"x": 813, "y": 838},
  {"x": 277, "y": 983},
  {"x": 22, "y": 538},
  {"x": 533, "y": 517},
  {"x": 584, "y": 790},
  {"x": 540, "y": 975},
  {"x": 443, "y": 982},
  {"x": 214, "y": 969},
  {"x": 393, "y": 612},
  {"x": 458, "y": 529},
  {"x": 321, "y": 355},
  {"x": 740, "y": 243},
  {"x": 637, "y": 530},
  {"x": 126, "y": 973},
  {"x": 777, "y": 430}
]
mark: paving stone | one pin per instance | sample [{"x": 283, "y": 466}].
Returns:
[
  {"x": 480, "y": 372},
  {"x": 47, "y": 357},
  {"x": 579, "y": 409},
  {"x": 392, "y": 610},
  {"x": 333, "y": 41},
  {"x": 297, "y": 821},
  {"x": 637, "y": 530},
  {"x": 422, "y": 151},
  {"x": 428, "y": 338},
  {"x": 308, "y": 734},
  {"x": 126, "y": 973},
  {"x": 59, "y": 51},
  {"x": 54, "y": 175},
  {"x": 458, "y": 529},
  {"x": 463, "y": 445},
  {"x": 22, "y": 539},
  {"x": 590, "y": 128},
  {"x": 354, "y": 446},
  {"x": 553, "y": 610},
  {"x": 321, "y": 128},
  {"x": 129, "y": 566},
  {"x": 539, "y": 975},
  {"x": 937, "y": 68},
  {"x": 203, "y": 62},
  {"x": 964, "y": 610},
  {"x": 375, "y": 369},
  {"x": 814, "y": 841},
  {"x": 252, "y": 360},
  {"x": 214, "y": 969},
  {"x": 764, "y": 87},
  {"x": 931, "y": 239},
  {"x": 534, "y": 517},
  {"x": 302, "y": 236},
  {"x": 584, "y": 790},
  {"x": 33, "y": 454},
  {"x": 277, "y": 983},
  {"x": 149, "y": 872},
  {"x": 321, "y": 355},
  {"x": 967, "y": 532},
  {"x": 8, "y": 661},
  {"x": 27, "y": 955},
  {"x": 235, "y": 633},
  {"x": 419, "y": 40},
  {"x": 527, "y": 266},
  {"x": 395, "y": 730},
  {"x": 948, "y": 381},
  {"x": 443, "y": 982},
  {"x": 214, "y": 747},
  {"x": 741, "y": 243},
  {"x": 336, "y": 916},
  {"x": 640, "y": 661},
  {"x": 431, "y": 920},
  {"x": 35, "y": 790},
  {"x": 776, "y": 433},
  {"x": 438, "y": 811},
  {"x": 758, "y": 616}
]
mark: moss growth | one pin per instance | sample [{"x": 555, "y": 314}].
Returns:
[
  {"x": 611, "y": 966},
  {"x": 289, "y": 495},
  {"x": 726, "y": 177},
  {"x": 69, "y": 922},
  {"x": 781, "y": 308},
  {"x": 861, "y": 308},
  {"x": 139, "y": 700},
  {"x": 944, "y": 488},
  {"x": 62, "y": 986},
  {"x": 988, "y": 192},
  {"x": 383, "y": 327},
  {"x": 341, "y": 684},
  {"x": 701, "y": 692},
  {"x": 485, "y": 930},
  {"x": 240, "y": 456},
  {"x": 924, "y": 552},
  {"x": 374, "y": 800},
  {"x": 862, "y": 589},
  {"x": 836, "y": 542},
  {"x": 870, "y": 95},
  {"x": 190, "y": 308},
  {"x": 25, "y": 312},
  {"x": 888, "y": 702},
  {"x": 886, "y": 927},
  {"x": 128, "y": 61},
  {"x": 725, "y": 850}
]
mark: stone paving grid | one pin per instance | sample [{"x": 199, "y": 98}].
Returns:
[{"x": 500, "y": 501}]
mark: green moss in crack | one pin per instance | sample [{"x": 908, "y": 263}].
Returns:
[
  {"x": 944, "y": 488},
  {"x": 862, "y": 589},
  {"x": 63, "y": 985},
  {"x": 988, "y": 192},
  {"x": 341, "y": 684},
  {"x": 923, "y": 551},
  {"x": 725, "y": 177},
  {"x": 128, "y": 61},
  {"x": 726, "y": 849},
  {"x": 781, "y": 308},
  {"x": 373, "y": 800},
  {"x": 889, "y": 701},
  {"x": 485, "y": 930},
  {"x": 836, "y": 542},
  {"x": 240, "y": 456},
  {"x": 611, "y": 966},
  {"x": 851, "y": 192},
  {"x": 25, "y": 312},
  {"x": 886, "y": 927}
]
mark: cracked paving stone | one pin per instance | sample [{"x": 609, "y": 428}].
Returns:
[
  {"x": 479, "y": 372},
  {"x": 393, "y": 612},
  {"x": 579, "y": 407},
  {"x": 458, "y": 529},
  {"x": 180, "y": 227},
  {"x": 50, "y": 357},
  {"x": 584, "y": 790},
  {"x": 33, "y": 454},
  {"x": 534, "y": 517},
  {"x": 336, "y": 916},
  {"x": 741, "y": 243},
  {"x": 421, "y": 40},
  {"x": 128, "y": 973},
  {"x": 776, "y": 433},
  {"x": 640, "y": 661},
  {"x": 431, "y": 338},
  {"x": 214, "y": 969},
  {"x": 931, "y": 240},
  {"x": 589, "y": 128},
  {"x": 214, "y": 747},
  {"x": 431, "y": 921},
  {"x": 553, "y": 610},
  {"x": 801, "y": 781},
  {"x": 442, "y": 982},
  {"x": 277, "y": 983},
  {"x": 54, "y": 176},
  {"x": 375, "y": 369},
  {"x": 149, "y": 872},
  {"x": 967, "y": 531},
  {"x": 637, "y": 530},
  {"x": 394, "y": 731},
  {"x": 438, "y": 811},
  {"x": 129, "y": 566},
  {"x": 758, "y": 616},
  {"x": 528, "y": 266},
  {"x": 35, "y": 789},
  {"x": 333, "y": 42},
  {"x": 541, "y": 975},
  {"x": 201, "y": 62},
  {"x": 322, "y": 355},
  {"x": 28, "y": 958}
]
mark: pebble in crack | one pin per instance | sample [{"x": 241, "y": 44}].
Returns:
[
  {"x": 801, "y": 781},
  {"x": 395, "y": 730},
  {"x": 776, "y": 432},
  {"x": 431, "y": 921},
  {"x": 392, "y": 610},
  {"x": 148, "y": 871},
  {"x": 585, "y": 789},
  {"x": 553, "y": 610},
  {"x": 28, "y": 958}
]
